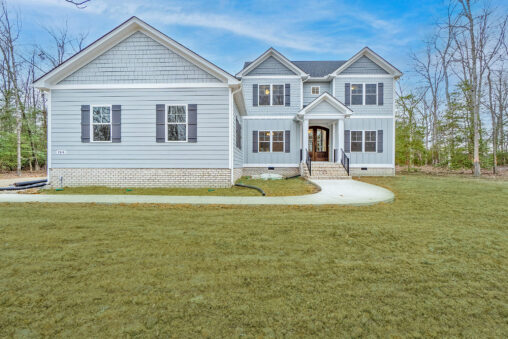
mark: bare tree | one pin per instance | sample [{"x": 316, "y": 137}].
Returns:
[
  {"x": 63, "y": 45},
  {"x": 78, "y": 3}
]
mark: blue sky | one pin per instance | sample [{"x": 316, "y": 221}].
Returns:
[{"x": 230, "y": 32}]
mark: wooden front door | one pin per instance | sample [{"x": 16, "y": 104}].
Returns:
[{"x": 318, "y": 143}]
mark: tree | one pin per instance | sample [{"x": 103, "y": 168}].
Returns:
[{"x": 78, "y": 3}]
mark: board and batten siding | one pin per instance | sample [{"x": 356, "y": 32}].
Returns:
[
  {"x": 237, "y": 152},
  {"x": 372, "y": 124},
  {"x": 308, "y": 97},
  {"x": 295, "y": 90},
  {"x": 271, "y": 158},
  {"x": 364, "y": 66},
  {"x": 138, "y": 147},
  {"x": 139, "y": 59},
  {"x": 385, "y": 109},
  {"x": 271, "y": 66}
]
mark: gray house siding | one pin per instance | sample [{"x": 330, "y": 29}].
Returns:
[
  {"x": 139, "y": 59},
  {"x": 293, "y": 157},
  {"x": 271, "y": 66},
  {"x": 322, "y": 108},
  {"x": 237, "y": 152},
  {"x": 368, "y": 124},
  {"x": 138, "y": 147},
  {"x": 364, "y": 66},
  {"x": 385, "y": 109},
  {"x": 294, "y": 108},
  {"x": 308, "y": 97}
]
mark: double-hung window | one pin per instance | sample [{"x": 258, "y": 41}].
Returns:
[
  {"x": 176, "y": 116},
  {"x": 370, "y": 141},
  {"x": 271, "y": 95},
  {"x": 101, "y": 123},
  {"x": 370, "y": 94},
  {"x": 356, "y": 94},
  {"x": 356, "y": 141},
  {"x": 271, "y": 141}
]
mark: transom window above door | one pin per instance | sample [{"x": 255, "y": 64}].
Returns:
[
  {"x": 101, "y": 123},
  {"x": 271, "y": 95}
]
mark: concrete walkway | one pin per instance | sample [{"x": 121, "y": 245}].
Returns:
[{"x": 333, "y": 192}]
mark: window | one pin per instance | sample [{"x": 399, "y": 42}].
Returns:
[
  {"x": 314, "y": 90},
  {"x": 278, "y": 141},
  {"x": 357, "y": 94},
  {"x": 356, "y": 141},
  {"x": 275, "y": 99},
  {"x": 264, "y": 95},
  {"x": 264, "y": 141},
  {"x": 277, "y": 95},
  {"x": 271, "y": 141},
  {"x": 370, "y": 141},
  {"x": 101, "y": 123},
  {"x": 370, "y": 94},
  {"x": 238, "y": 134},
  {"x": 177, "y": 123}
]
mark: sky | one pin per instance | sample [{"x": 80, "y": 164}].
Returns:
[{"x": 228, "y": 32}]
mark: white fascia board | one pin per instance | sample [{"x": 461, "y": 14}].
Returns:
[
  {"x": 372, "y": 165},
  {"x": 281, "y": 58},
  {"x": 390, "y": 76},
  {"x": 325, "y": 116},
  {"x": 328, "y": 98},
  {"x": 354, "y": 116},
  {"x": 269, "y": 117},
  {"x": 270, "y": 165},
  {"x": 374, "y": 57},
  {"x": 271, "y": 77},
  {"x": 137, "y": 86}
]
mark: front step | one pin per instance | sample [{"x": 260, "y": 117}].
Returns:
[{"x": 325, "y": 170}]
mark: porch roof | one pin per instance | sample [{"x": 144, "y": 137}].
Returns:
[{"x": 325, "y": 106}]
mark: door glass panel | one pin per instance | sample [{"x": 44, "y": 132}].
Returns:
[
  {"x": 311, "y": 140},
  {"x": 321, "y": 140}
]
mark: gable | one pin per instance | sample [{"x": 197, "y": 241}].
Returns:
[
  {"x": 364, "y": 65},
  {"x": 271, "y": 66},
  {"x": 139, "y": 59},
  {"x": 324, "y": 107}
]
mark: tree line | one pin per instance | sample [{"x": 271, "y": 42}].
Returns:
[{"x": 454, "y": 115}]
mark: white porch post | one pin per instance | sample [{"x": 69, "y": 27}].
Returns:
[
  {"x": 335, "y": 140},
  {"x": 305, "y": 137},
  {"x": 340, "y": 136}
]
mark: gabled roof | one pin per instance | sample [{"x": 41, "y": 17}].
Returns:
[
  {"x": 271, "y": 52},
  {"x": 336, "y": 103},
  {"x": 117, "y": 35},
  {"x": 366, "y": 51}
]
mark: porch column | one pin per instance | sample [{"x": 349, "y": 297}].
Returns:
[
  {"x": 305, "y": 137},
  {"x": 335, "y": 141},
  {"x": 340, "y": 136}
]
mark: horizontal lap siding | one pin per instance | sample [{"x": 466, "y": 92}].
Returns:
[
  {"x": 138, "y": 148},
  {"x": 271, "y": 66},
  {"x": 271, "y": 158},
  {"x": 368, "y": 124},
  {"x": 308, "y": 97},
  {"x": 138, "y": 59},
  {"x": 385, "y": 109},
  {"x": 295, "y": 83}
]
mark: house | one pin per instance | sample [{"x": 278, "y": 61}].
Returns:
[{"x": 136, "y": 108}]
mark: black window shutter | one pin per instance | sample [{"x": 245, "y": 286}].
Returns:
[
  {"x": 287, "y": 95},
  {"x": 160, "y": 128},
  {"x": 255, "y": 96},
  {"x": 116, "y": 124},
  {"x": 287, "y": 141},
  {"x": 347, "y": 94},
  {"x": 192, "y": 124},
  {"x": 347, "y": 141},
  {"x": 254, "y": 141},
  {"x": 380, "y": 141},
  {"x": 380, "y": 94},
  {"x": 85, "y": 123}
]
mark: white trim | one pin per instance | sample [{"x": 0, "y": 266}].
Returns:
[
  {"x": 49, "y": 150},
  {"x": 150, "y": 86},
  {"x": 269, "y": 165},
  {"x": 318, "y": 90},
  {"x": 333, "y": 87},
  {"x": 374, "y": 58},
  {"x": 271, "y": 140},
  {"x": 268, "y": 117},
  {"x": 271, "y": 77},
  {"x": 393, "y": 123},
  {"x": 271, "y": 52},
  {"x": 363, "y": 140},
  {"x": 176, "y": 123},
  {"x": 230, "y": 127},
  {"x": 364, "y": 93},
  {"x": 364, "y": 76},
  {"x": 371, "y": 117},
  {"x": 331, "y": 100},
  {"x": 110, "y": 124},
  {"x": 301, "y": 94},
  {"x": 271, "y": 95},
  {"x": 372, "y": 165}
]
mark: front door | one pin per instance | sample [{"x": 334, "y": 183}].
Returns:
[{"x": 318, "y": 143}]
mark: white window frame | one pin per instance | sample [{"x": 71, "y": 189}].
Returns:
[
  {"x": 110, "y": 124},
  {"x": 364, "y": 91},
  {"x": 176, "y": 123},
  {"x": 271, "y": 140},
  {"x": 351, "y": 141},
  {"x": 271, "y": 94},
  {"x": 364, "y": 140},
  {"x": 318, "y": 90}
]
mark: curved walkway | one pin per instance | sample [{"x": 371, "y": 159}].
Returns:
[{"x": 333, "y": 192}]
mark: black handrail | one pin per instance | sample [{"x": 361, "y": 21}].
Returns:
[
  {"x": 308, "y": 162},
  {"x": 344, "y": 161}
]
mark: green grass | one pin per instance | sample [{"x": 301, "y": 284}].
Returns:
[
  {"x": 432, "y": 264},
  {"x": 289, "y": 187}
]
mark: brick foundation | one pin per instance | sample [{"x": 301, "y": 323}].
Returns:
[
  {"x": 237, "y": 174},
  {"x": 141, "y": 177},
  {"x": 358, "y": 172},
  {"x": 284, "y": 171}
]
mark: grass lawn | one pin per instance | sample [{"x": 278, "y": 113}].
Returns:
[
  {"x": 289, "y": 187},
  {"x": 432, "y": 264}
]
